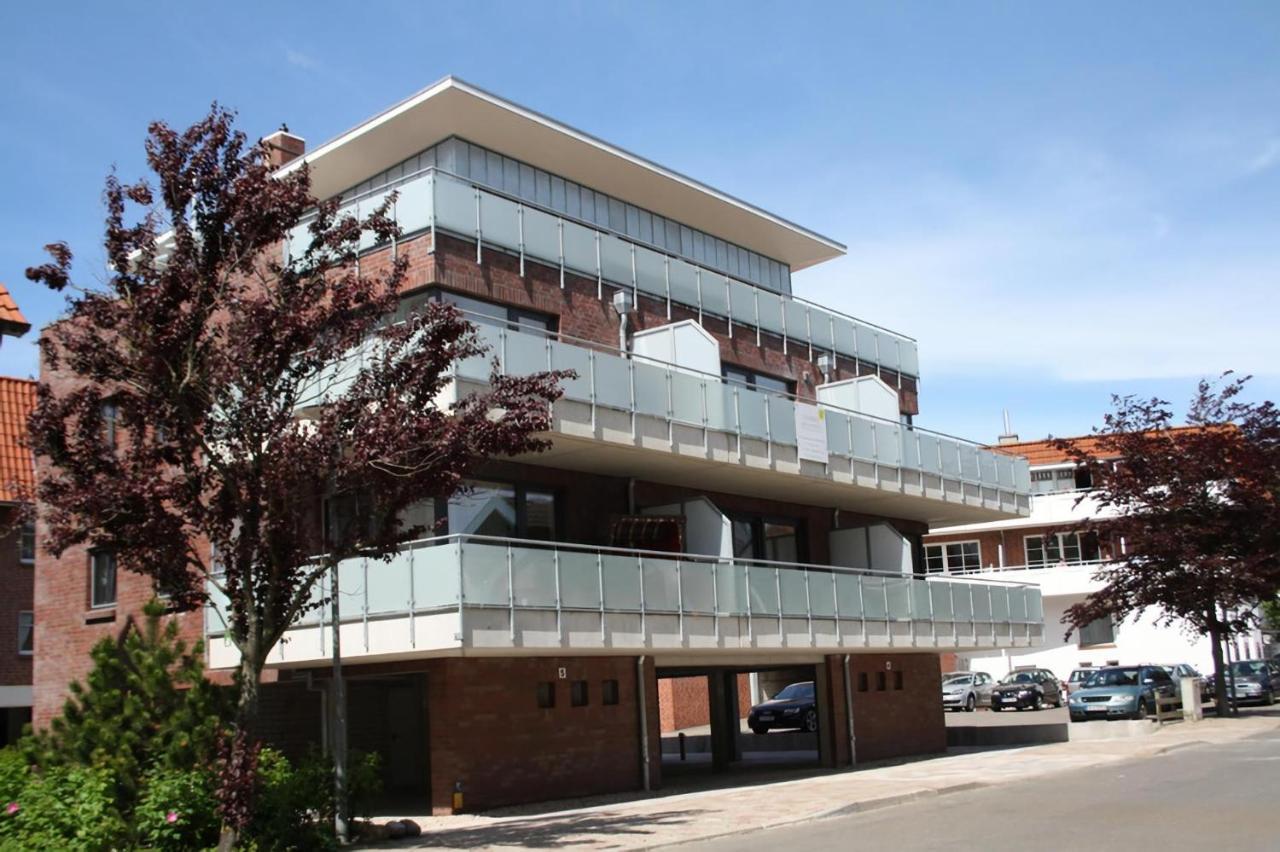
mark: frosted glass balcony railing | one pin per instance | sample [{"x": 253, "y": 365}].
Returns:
[
  {"x": 433, "y": 199},
  {"x": 681, "y": 396},
  {"x": 459, "y": 572}
]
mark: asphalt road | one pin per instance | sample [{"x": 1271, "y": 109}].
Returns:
[{"x": 1200, "y": 797}]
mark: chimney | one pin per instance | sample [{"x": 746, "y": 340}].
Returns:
[
  {"x": 283, "y": 147},
  {"x": 1009, "y": 436}
]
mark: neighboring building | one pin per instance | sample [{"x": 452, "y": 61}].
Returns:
[
  {"x": 1042, "y": 549},
  {"x": 17, "y": 538},
  {"x": 698, "y": 516}
]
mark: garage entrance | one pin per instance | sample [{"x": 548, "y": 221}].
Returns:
[{"x": 707, "y": 723}]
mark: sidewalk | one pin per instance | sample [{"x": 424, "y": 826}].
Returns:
[{"x": 640, "y": 823}]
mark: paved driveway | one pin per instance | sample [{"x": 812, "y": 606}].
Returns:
[{"x": 985, "y": 718}]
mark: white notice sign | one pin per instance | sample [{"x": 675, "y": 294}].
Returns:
[{"x": 811, "y": 432}]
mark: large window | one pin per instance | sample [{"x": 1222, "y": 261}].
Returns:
[
  {"x": 479, "y": 311},
  {"x": 954, "y": 557},
  {"x": 102, "y": 578},
  {"x": 1053, "y": 549},
  {"x": 503, "y": 510},
  {"x": 1099, "y": 632},
  {"x": 1057, "y": 479},
  {"x": 774, "y": 539},
  {"x": 743, "y": 377},
  {"x": 26, "y": 633},
  {"x": 27, "y": 542}
]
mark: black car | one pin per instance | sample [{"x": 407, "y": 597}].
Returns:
[
  {"x": 1034, "y": 688},
  {"x": 794, "y": 708}
]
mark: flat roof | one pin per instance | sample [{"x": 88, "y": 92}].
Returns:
[{"x": 453, "y": 107}]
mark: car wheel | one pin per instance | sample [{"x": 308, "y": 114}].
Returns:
[
  {"x": 970, "y": 704},
  {"x": 1268, "y": 698},
  {"x": 1141, "y": 712},
  {"x": 759, "y": 729},
  {"x": 1039, "y": 705},
  {"x": 811, "y": 721}
]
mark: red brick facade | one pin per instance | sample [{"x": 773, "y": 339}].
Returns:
[
  {"x": 16, "y": 578},
  {"x": 889, "y": 721}
]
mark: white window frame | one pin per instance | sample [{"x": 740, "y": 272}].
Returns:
[
  {"x": 26, "y": 627},
  {"x": 27, "y": 537},
  {"x": 1061, "y": 539},
  {"x": 947, "y": 566},
  {"x": 93, "y": 586}
]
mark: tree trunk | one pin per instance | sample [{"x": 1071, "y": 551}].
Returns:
[
  {"x": 246, "y": 727},
  {"x": 1219, "y": 677}
]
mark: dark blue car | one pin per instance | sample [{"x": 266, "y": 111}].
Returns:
[{"x": 794, "y": 708}]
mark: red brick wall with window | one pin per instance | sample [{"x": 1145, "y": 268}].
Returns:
[{"x": 17, "y": 580}]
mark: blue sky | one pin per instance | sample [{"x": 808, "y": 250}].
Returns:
[{"x": 1060, "y": 201}]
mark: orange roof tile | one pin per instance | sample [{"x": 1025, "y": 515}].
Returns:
[
  {"x": 11, "y": 319},
  {"x": 17, "y": 467},
  {"x": 1043, "y": 452}
]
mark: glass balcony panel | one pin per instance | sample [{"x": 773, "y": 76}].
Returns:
[
  {"x": 849, "y": 595},
  {"x": 455, "y": 207},
  {"x": 929, "y": 451},
  {"x": 686, "y": 398},
  {"x": 822, "y": 594},
  {"x": 797, "y": 324},
  {"x": 874, "y": 603},
  {"x": 715, "y": 296},
  {"x": 751, "y": 416},
  {"x": 940, "y": 595},
  {"x": 963, "y": 601},
  {"x": 534, "y": 577},
  {"x": 1004, "y": 471},
  {"x": 1018, "y": 603},
  {"x": 846, "y": 337},
  {"x": 720, "y": 411},
  {"x": 794, "y": 593},
  {"x": 580, "y": 249},
  {"x": 313, "y": 613},
  {"x": 477, "y": 367},
  {"x": 484, "y": 574},
  {"x": 565, "y": 356},
  {"x": 366, "y": 207},
  {"x": 615, "y": 260},
  {"x": 351, "y": 587},
  {"x": 898, "y": 591},
  {"x": 413, "y": 207},
  {"x": 820, "y": 329},
  {"x": 981, "y": 602},
  {"x": 864, "y": 439},
  {"x": 763, "y": 587},
  {"x": 661, "y": 585},
  {"x": 542, "y": 236},
  {"x": 920, "y": 599},
  {"x": 988, "y": 468},
  {"x": 579, "y": 580},
  {"x": 743, "y": 301},
  {"x": 297, "y": 242},
  {"x": 651, "y": 389},
  {"x": 389, "y": 583},
  {"x": 613, "y": 382},
  {"x": 911, "y": 450},
  {"x": 950, "y": 457},
  {"x": 1035, "y": 605},
  {"x": 684, "y": 282},
  {"x": 782, "y": 420},
  {"x": 435, "y": 575},
  {"x": 499, "y": 222},
  {"x": 731, "y": 589},
  {"x": 651, "y": 272},
  {"x": 621, "y": 582},
  {"x": 1022, "y": 476},
  {"x": 910, "y": 356},
  {"x": 524, "y": 354},
  {"x": 888, "y": 443},
  {"x": 999, "y": 603},
  {"x": 697, "y": 587},
  {"x": 838, "y": 433},
  {"x": 867, "y": 340},
  {"x": 770, "y": 312},
  {"x": 889, "y": 351}
]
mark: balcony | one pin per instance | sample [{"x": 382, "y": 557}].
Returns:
[
  {"x": 1054, "y": 580},
  {"x": 477, "y": 594},
  {"x": 434, "y": 200}
]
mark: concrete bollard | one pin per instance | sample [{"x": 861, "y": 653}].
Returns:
[{"x": 1192, "y": 709}]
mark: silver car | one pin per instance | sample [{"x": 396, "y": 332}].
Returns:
[{"x": 966, "y": 690}]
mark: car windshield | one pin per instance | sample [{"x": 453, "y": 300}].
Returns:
[
  {"x": 1082, "y": 674},
  {"x": 795, "y": 690},
  {"x": 1113, "y": 677},
  {"x": 959, "y": 680},
  {"x": 1018, "y": 677},
  {"x": 1248, "y": 667}
]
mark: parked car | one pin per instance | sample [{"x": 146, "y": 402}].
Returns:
[
  {"x": 1256, "y": 680},
  {"x": 1181, "y": 670},
  {"x": 793, "y": 708},
  {"x": 1032, "y": 688},
  {"x": 1078, "y": 677},
  {"x": 966, "y": 690},
  {"x": 1121, "y": 692}
]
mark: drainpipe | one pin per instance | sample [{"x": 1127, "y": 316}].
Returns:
[
  {"x": 324, "y": 711},
  {"x": 623, "y": 304},
  {"x": 848, "y": 712},
  {"x": 644, "y": 722}
]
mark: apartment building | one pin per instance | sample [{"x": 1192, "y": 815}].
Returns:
[
  {"x": 736, "y": 485},
  {"x": 17, "y": 538},
  {"x": 1042, "y": 548}
]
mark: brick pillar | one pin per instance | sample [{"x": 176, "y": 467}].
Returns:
[{"x": 833, "y": 718}]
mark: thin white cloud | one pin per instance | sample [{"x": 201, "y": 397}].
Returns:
[
  {"x": 298, "y": 59},
  {"x": 1267, "y": 158}
]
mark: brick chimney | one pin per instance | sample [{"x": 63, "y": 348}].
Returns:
[{"x": 283, "y": 147}]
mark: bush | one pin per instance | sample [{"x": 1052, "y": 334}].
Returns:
[
  {"x": 176, "y": 810},
  {"x": 13, "y": 775},
  {"x": 71, "y": 808},
  {"x": 294, "y": 805}
]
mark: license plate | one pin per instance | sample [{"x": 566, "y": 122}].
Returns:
[
  {"x": 1096, "y": 708},
  {"x": 766, "y": 717}
]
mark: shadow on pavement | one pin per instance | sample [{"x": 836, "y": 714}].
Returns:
[{"x": 549, "y": 833}]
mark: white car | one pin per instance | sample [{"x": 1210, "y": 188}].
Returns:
[{"x": 966, "y": 690}]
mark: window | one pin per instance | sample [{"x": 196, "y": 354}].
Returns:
[
  {"x": 27, "y": 542},
  {"x": 773, "y": 539},
  {"x": 110, "y": 414},
  {"x": 862, "y": 682},
  {"x": 578, "y": 693},
  {"x": 897, "y": 681},
  {"x": 504, "y": 510},
  {"x": 1057, "y": 479},
  {"x": 881, "y": 682},
  {"x": 743, "y": 377},
  {"x": 479, "y": 311},
  {"x": 102, "y": 580},
  {"x": 26, "y": 633},
  {"x": 1100, "y": 632},
  {"x": 953, "y": 557},
  {"x": 546, "y": 695},
  {"x": 1050, "y": 550},
  {"x": 609, "y": 692}
]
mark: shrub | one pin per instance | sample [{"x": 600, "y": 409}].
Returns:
[
  {"x": 13, "y": 774},
  {"x": 176, "y": 810},
  {"x": 71, "y": 808},
  {"x": 294, "y": 805}
]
